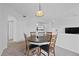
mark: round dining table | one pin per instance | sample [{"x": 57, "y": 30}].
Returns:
[{"x": 39, "y": 41}]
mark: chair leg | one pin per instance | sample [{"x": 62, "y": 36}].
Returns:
[
  {"x": 54, "y": 51},
  {"x": 25, "y": 52},
  {"x": 48, "y": 53},
  {"x": 36, "y": 51},
  {"x": 43, "y": 54},
  {"x": 39, "y": 51},
  {"x": 28, "y": 52}
]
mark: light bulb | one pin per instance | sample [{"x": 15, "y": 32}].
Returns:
[{"x": 39, "y": 13}]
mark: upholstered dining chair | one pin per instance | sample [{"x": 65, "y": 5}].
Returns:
[
  {"x": 26, "y": 41},
  {"x": 52, "y": 43},
  {"x": 33, "y": 35},
  {"x": 28, "y": 47},
  {"x": 41, "y": 45},
  {"x": 51, "y": 37}
]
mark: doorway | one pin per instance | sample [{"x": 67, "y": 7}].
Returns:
[{"x": 11, "y": 29}]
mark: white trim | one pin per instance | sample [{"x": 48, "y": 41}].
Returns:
[
  {"x": 67, "y": 49},
  {"x": 1, "y": 51},
  {"x": 39, "y": 43}
]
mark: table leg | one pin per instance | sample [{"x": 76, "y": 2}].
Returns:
[{"x": 39, "y": 51}]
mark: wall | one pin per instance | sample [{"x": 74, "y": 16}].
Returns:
[
  {"x": 69, "y": 42},
  {"x": 60, "y": 15},
  {"x": 29, "y": 25},
  {"x": 3, "y": 29}
]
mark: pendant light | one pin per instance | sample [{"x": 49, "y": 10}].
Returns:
[{"x": 40, "y": 12}]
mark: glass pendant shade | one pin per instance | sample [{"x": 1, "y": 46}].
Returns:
[{"x": 39, "y": 13}]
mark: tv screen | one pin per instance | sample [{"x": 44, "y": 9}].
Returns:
[{"x": 72, "y": 30}]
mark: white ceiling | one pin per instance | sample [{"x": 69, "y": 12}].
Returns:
[{"x": 52, "y": 10}]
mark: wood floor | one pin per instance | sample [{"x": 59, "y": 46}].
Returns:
[{"x": 17, "y": 49}]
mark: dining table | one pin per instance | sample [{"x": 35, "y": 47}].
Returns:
[{"x": 39, "y": 41}]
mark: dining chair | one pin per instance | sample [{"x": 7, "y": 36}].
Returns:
[
  {"x": 40, "y": 37},
  {"x": 48, "y": 35},
  {"x": 33, "y": 37},
  {"x": 52, "y": 43},
  {"x": 26, "y": 41},
  {"x": 51, "y": 37},
  {"x": 44, "y": 46},
  {"x": 28, "y": 47}
]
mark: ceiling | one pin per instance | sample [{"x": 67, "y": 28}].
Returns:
[{"x": 52, "y": 10}]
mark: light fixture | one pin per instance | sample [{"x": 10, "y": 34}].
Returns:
[{"x": 39, "y": 13}]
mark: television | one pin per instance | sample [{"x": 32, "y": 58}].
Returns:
[{"x": 72, "y": 30}]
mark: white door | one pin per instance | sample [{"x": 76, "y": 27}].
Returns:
[{"x": 10, "y": 30}]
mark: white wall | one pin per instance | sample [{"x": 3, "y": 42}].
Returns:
[
  {"x": 68, "y": 41},
  {"x": 3, "y": 29},
  {"x": 29, "y": 25}
]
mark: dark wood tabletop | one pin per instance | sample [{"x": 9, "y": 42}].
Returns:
[{"x": 39, "y": 39}]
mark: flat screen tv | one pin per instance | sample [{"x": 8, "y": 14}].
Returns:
[{"x": 72, "y": 30}]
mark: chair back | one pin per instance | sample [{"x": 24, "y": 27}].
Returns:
[
  {"x": 53, "y": 39},
  {"x": 48, "y": 35},
  {"x": 26, "y": 41},
  {"x": 25, "y": 38},
  {"x": 33, "y": 35}
]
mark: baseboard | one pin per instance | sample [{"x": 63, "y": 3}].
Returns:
[
  {"x": 68, "y": 49},
  {"x": 1, "y": 51},
  {"x": 19, "y": 40}
]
